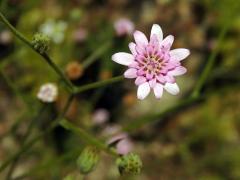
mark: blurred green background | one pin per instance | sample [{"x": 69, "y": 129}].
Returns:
[{"x": 199, "y": 141}]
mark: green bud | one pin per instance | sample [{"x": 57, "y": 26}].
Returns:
[
  {"x": 41, "y": 43},
  {"x": 129, "y": 164},
  {"x": 88, "y": 159}
]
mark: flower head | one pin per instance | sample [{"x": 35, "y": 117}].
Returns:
[
  {"x": 123, "y": 27},
  {"x": 152, "y": 63},
  {"x": 48, "y": 93}
]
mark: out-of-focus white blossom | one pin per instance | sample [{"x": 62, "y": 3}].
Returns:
[
  {"x": 48, "y": 93},
  {"x": 54, "y": 29}
]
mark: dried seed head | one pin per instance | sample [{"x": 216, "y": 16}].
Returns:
[{"x": 74, "y": 70}]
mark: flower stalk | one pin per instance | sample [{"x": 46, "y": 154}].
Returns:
[{"x": 44, "y": 55}]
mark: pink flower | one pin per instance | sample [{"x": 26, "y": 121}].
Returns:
[
  {"x": 152, "y": 63},
  {"x": 123, "y": 143},
  {"x": 123, "y": 27},
  {"x": 124, "y": 146},
  {"x": 100, "y": 116}
]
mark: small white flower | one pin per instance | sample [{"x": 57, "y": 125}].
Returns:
[
  {"x": 48, "y": 93},
  {"x": 54, "y": 29}
]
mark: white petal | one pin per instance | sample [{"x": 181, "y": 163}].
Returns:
[
  {"x": 152, "y": 83},
  {"x": 172, "y": 88},
  {"x": 179, "y": 54},
  {"x": 157, "y": 30},
  {"x": 123, "y": 58},
  {"x": 168, "y": 41},
  {"x": 132, "y": 47},
  {"x": 130, "y": 73},
  {"x": 140, "y": 80},
  {"x": 158, "y": 90},
  {"x": 143, "y": 90},
  {"x": 140, "y": 38},
  {"x": 180, "y": 70}
]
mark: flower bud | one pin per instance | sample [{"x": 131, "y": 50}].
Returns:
[
  {"x": 88, "y": 159},
  {"x": 41, "y": 43},
  {"x": 129, "y": 164}
]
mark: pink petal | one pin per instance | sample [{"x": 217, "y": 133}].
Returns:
[
  {"x": 179, "y": 54},
  {"x": 149, "y": 76},
  {"x": 132, "y": 47},
  {"x": 130, "y": 73},
  {"x": 123, "y": 58},
  {"x": 143, "y": 90},
  {"x": 124, "y": 146},
  {"x": 140, "y": 80},
  {"x": 161, "y": 78},
  {"x": 167, "y": 42},
  {"x": 140, "y": 49},
  {"x": 180, "y": 70},
  {"x": 158, "y": 90},
  {"x": 172, "y": 88},
  {"x": 156, "y": 29},
  {"x": 152, "y": 83},
  {"x": 140, "y": 38},
  {"x": 170, "y": 79}
]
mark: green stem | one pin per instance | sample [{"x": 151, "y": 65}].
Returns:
[
  {"x": 31, "y": 142},
  {"x": 96, "y": 54},
  {"x": 44, "y": 55},
  {"x": 28, "y": 132},
  {"x": 88, "y": 138},
  {"x": 97, "y": 84},
  {"x": 151, "y": 118},
  {"x": 210, "y": 62},
  {"x": 14, "y": 89}
]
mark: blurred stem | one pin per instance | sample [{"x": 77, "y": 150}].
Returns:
[
  {"x": 28, "y": 132},
  {"x": 159, "y": 116},
  {"x": 211, "y": 61},
  {"x": 44, "y": 55},
  {"x": 96, "y": 54},
  {"x": 97, "y": 84},
  {"x": 26, "y": 146},
  {"x": 14, "y": 89},
  {"x": 88, "y": 138}
]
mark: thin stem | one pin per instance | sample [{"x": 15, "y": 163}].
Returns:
[
  {"x": 88, "y": 138},
  {"x": 158, "y": 116},
  {"x": 28, "y": 132},
  {"x": 97, "y": 84},
  {"x": 70, "y": 86},
  {"x": 93, "y": 57},
  {"x": 210, "y": 63},
  {"x": 30, "y": 143},
  {"x": 14, "y": 89},
  {"x": 44, "y": 55}
]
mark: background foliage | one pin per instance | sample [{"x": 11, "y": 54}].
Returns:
[{"x": 197, "y": 141}]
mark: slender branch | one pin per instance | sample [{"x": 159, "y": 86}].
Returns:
[
  {"x": 93, "y": 57},
  {"x": 211, "y": 61},
  {"x": 31, "y": 142},
  {"x": 44, "y": 55},
  {"x": 27, "y": 133},
  {"x": 151, "y": 118},
  {"x": 97, "y": 84},
  {"x": 14, "y": 89},
  {"x": 88, "y": 138}
]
